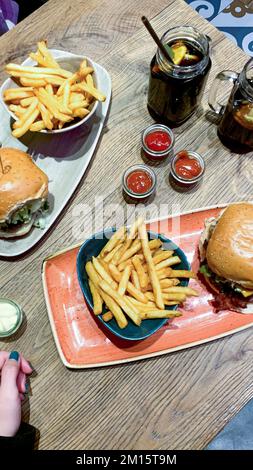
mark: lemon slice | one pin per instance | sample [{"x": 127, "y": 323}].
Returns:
[
  {"x": 250, "y": 113},
  {"x": 191, "y": 57},
  {"x": 179, "y": 53}
]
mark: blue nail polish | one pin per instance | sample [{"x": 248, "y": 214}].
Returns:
[
  {"x": 26, "y": 388},
  {"x": 14, "y": 355}
]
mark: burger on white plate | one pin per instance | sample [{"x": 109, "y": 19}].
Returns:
[
  {"x": 23, "y": 193},
  {"x": 226, "y": 251}
]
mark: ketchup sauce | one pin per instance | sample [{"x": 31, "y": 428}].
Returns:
[
  {"x": 158, "y": 141},
  {"x": 139, "y": 181},
  {"x": 187, "y": 167}
]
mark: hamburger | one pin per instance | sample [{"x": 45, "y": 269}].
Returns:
[
  {"x": 226, "y": 252},
  {"x": 23, "y": 193}
]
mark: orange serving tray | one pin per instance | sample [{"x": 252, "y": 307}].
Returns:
[{"x": 83, "y": 342}]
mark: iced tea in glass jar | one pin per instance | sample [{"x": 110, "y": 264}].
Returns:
[
  {"x": 176, "y": 87},
  {"x": 236, "y": 125}
]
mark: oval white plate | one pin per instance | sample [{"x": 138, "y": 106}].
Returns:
[{"x": 63, "y": 157}]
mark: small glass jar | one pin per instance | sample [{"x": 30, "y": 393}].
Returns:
[
  {"x": 175, "y": 91},
  {"x": 162, "y": 144},
  {"x": 10, "y": 312},
  {"x": 130, "y": 193},
  {"x": 181, "y": 182}
]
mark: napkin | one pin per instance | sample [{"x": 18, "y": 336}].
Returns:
[
  {"x": 237, "y": 434},
  {"x": 8, "y": 15}
]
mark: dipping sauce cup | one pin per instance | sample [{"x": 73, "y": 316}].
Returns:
[
  {"x": 157, "y": 142},
  {"x": 187, "y": 169},
  {"x": 11, "y": 317},
  {"x": 139, "y": 182}
]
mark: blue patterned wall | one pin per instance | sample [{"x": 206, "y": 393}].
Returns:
[{"x": 234, "y": 18}]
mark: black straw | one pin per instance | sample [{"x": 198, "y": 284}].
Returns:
[{"x": 156, "y": 39}]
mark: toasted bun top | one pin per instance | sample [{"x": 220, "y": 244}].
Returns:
[
  {"x": 230, "y": 249},
  {"x": 20, "y": 181}
]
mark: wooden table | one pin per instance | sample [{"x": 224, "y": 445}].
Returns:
[{"x": 177, "y": 401}]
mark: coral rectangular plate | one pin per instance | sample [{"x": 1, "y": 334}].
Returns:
[{"x": 81, "y": 340}]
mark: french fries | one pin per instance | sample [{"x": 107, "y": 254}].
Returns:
[
  {"x": 110, "y": 255},
  {"x": 103, "y": 272},
  {"x": 37, "y": 71},
  {"x": 111, "y": 304},
  {"x": 168, "y": 262},
  {"x": 151, "y": 267},
  {"x": 160, "y": 314},
  {"x": 131, "y": 311},
  {"x": 37, "y": 126},
  {"x": 97, "y": 301},
  {"x": 62, "y": 95},
  {"x": 124, "y": 280},
  {"x": 133, "y": 277},
  {"x": 107, "y": 316},
  {"x": 114, "y": 240},
  {"x": 142, "y": 275},
  {"x": 115, "y": 309},
  {"x": 19, "y": 131},
  {"x": 131, "y": 289}
]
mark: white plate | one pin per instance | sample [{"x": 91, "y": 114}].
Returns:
[{"x": 63, "y": 157}]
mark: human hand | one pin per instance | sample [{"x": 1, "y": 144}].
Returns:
[{"x": 14, "y": 369}]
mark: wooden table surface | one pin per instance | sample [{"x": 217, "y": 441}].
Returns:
[{"x": 176, "y": 401}]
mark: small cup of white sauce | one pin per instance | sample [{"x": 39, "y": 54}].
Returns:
[{"x": 11, "y": 317}]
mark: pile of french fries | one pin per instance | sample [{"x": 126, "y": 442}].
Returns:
[
  {"x": 47, "y": 96},
  {"x": 134, "y": 278}
]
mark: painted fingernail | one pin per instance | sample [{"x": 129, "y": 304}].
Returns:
[
  {"x": 26, "y": 388},
  {"x": 14, "y": 355}
]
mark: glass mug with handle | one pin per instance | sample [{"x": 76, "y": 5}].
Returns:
[{"x": 235, "y": 128}]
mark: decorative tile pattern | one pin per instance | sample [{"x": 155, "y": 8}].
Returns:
[{"x": 234, "y": 18}]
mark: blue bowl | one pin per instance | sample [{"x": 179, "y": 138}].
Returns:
[{"x": 92, "y": 247}]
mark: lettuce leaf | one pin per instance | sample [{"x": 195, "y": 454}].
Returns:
[
  {"x": 204, "y": 269},
  {"x": 224, "y": 283},
  {"x": 22, "y": 216},
  {"x": 25, "y": 214}
]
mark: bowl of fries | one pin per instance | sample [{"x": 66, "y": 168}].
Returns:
[
  {"x": 50, "y": 92},
  {"x": 133, "y": 280}
]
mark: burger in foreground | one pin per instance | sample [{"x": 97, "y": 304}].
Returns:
[
  {"x": 226, "y": 250},
  {"x": 23, "y": 193}
]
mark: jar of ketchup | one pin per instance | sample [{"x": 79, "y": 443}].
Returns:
[
  {"x": 139, "y": 183},
  {"x": 187, "y": 169},
  {"x": 157, "y": 142}
]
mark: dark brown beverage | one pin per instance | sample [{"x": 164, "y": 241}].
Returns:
[
  {"x": 175, "y": 89},
  {"x": 236, "y": 126}
]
